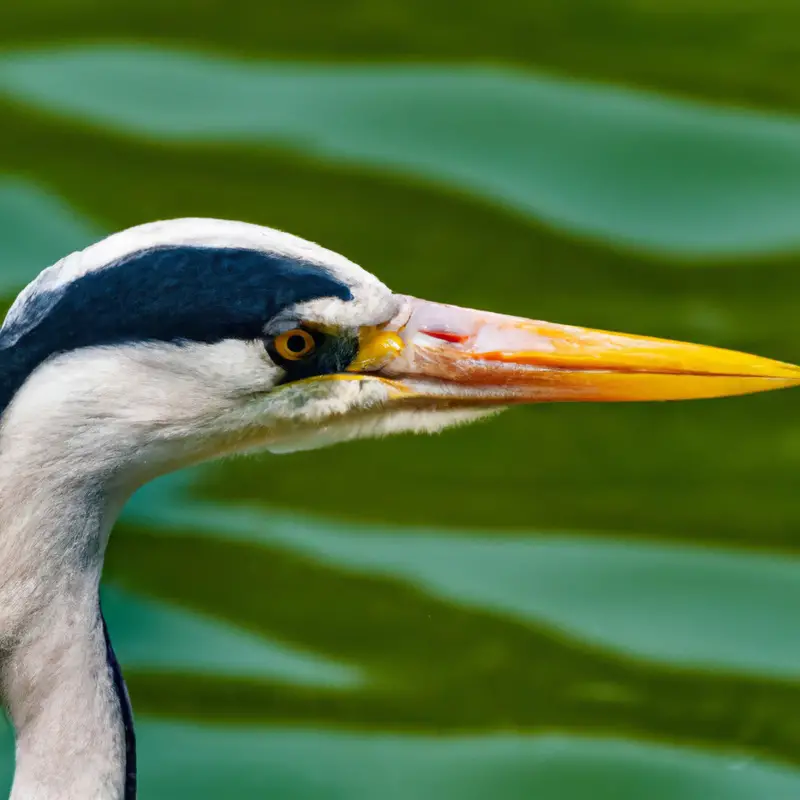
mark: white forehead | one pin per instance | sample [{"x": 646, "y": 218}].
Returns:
[{"x": 372, "y": 301}]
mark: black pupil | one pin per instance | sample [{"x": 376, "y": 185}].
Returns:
[{"x": 296, "y": 343}]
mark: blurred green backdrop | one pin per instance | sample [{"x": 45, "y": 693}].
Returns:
[{"x": 566, "y": 603}]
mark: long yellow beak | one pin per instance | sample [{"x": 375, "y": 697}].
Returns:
[{"x": 459, "y": 354}]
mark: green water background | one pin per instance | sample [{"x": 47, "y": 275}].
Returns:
[{"x": 566, "y": 603}]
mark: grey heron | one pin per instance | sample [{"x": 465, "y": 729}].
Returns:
[{"x": 180, "y": 341}]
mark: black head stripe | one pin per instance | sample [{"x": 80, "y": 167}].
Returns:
[{"x": 200, "y": 294}]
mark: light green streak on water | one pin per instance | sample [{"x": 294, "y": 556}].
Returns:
[
  {"x": 155, "y": 636},
  {"x": 687, "y": 606},
  {"x": 629, "y": 167},
  {"x": 36, "y": 229},
  {"x": 182, "y": 762}
]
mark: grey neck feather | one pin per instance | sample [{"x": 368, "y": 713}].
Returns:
[{"x": 65, "y": 699}]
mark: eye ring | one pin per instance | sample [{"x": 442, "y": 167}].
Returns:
[{"x": 295, "y": 344}]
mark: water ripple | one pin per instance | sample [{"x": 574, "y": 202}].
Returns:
[
  {"x": 182, "y": 761},
  {"x": 628, "y": 167},
  {"x": 155, "y": 636},
  {"x": 675, "y": 604}
]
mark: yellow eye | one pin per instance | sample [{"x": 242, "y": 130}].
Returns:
[{"x": 294, "y": 344}]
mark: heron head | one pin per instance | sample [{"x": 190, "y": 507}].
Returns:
[{"x": 183, "y": 340}]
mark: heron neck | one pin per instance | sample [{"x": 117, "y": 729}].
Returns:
[{"x": 60, "y": 681}]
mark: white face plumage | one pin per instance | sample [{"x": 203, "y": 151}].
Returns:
[{"x": 151, "y": 343}]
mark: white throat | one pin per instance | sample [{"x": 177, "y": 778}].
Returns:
[{"x": 59, "y": 684}]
